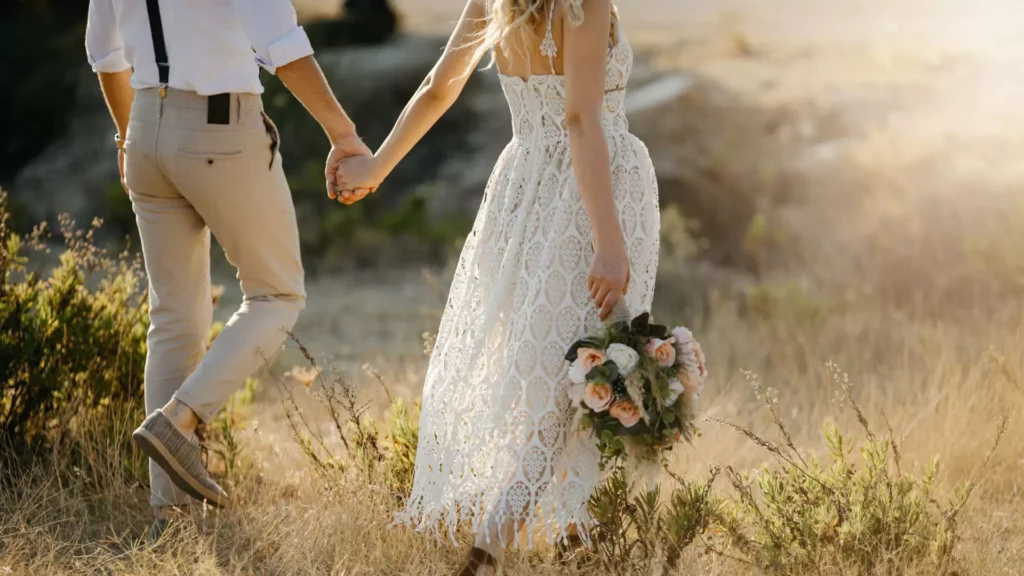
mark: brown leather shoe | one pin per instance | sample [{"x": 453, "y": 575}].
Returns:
[{"x": 477, "y": 559}]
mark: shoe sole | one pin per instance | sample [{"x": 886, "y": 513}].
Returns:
[{"x": 156, "y": 450}]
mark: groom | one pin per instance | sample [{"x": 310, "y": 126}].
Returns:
[{"x": 197, "y": 154}]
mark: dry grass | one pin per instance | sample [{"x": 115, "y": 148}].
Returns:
[{"x": 941, "y": 387}]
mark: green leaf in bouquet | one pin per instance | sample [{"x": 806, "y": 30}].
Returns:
[
  {"x": 586, "y": 421},
  {"x": 606, "y": 373},
  {"x": 668, "y": 416}
]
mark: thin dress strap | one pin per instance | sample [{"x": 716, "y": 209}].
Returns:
[{"x": 548, "y": 47}]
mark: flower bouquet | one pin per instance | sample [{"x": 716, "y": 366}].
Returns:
[{"x": 637, "y": 385}]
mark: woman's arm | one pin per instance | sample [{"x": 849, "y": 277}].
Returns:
[
  {"x": 586, "y": 54},
  {"x": 434, "y": 97}
]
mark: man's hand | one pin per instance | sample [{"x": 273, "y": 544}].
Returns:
[
  {"x": 344, "y": 147},
  {"x": 357, "y": 177},
  {"x": 120, "y": 169}
]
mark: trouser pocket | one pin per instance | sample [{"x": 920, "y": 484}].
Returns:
[{"x": 274, "y": 135}]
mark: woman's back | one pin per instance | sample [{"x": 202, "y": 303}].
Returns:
[
  {"x": 531, "y": 69},
  {"x": 535, "y": 48}
]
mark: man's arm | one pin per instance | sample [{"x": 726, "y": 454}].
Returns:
[
  {"x": 283, "y": 48},
  {"x": 118, "y": 93},
  {"x": 105, "y": 50},
  {"x": 306, "y": 81}
]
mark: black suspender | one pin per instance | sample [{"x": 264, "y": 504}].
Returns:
[
  {"x": 219, "y": 109},
  {"x": 156, "y": 30},
  {"x": 219, "y": 105}
]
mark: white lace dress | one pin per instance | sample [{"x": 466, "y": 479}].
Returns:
[{"x": 496, "y": 441}]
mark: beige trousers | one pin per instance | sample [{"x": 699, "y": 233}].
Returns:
[{"x": 187, "y": 179}]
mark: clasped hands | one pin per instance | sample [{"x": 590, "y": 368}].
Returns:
[{"x": 352, "y": 172}]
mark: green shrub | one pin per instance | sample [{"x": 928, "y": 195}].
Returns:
[
  {"x": 72, "y": 358},
  {"x": 808, "y": 515},
  {"x": 73, "y": 338},
  {"x": 636, "y": 532}
]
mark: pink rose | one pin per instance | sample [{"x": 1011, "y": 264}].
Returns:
[
  {"x": 663, "y": 351},
  {"x": 626, "y": 412},
  {"x": 692, "y": 371},
  {"x": 598, "y": 396},
  {"x": 682, "y": 335}
]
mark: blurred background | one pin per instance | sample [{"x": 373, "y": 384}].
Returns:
[
  {"x": 840, "y": 181},
  {"x": 854, "y": 148}
]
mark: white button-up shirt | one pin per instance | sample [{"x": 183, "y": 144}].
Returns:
[{"x": 213, "y": 46}]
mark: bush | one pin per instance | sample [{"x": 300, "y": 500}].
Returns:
[
  {"x": 803, "y": 515},
  {"x": 73, "y": 338},
  {"x": 73, "y": 352},
  {"x": 639, "y": 533}
]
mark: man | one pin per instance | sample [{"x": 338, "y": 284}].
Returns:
[{"x": 197, "y": 154}]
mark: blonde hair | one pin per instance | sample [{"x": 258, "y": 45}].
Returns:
[{"x": 507, "y": 18}]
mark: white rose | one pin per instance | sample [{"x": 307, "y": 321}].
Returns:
[
  {"x": 624, "y": 357},
  {"x": 578, "y": 372},
  {"x": 675, "y": 388}
]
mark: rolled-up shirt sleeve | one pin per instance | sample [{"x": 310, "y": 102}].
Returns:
[
  {"x": 274, "y": 32},
  {"x": 103, "y": 44}
]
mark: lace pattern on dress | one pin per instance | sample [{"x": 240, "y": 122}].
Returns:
[{"x": 497, "y": 442}]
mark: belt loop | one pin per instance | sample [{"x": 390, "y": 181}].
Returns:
[{"x": 238, "y": 109}]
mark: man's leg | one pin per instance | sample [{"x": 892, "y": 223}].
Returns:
[
  {"x": 244, "y": 199},
  {"x": 176, "y": 247}
]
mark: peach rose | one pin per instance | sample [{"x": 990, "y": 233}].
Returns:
[
  {"x": 598, "y": 396},
  {"x": 586, "y": 360},
  {"x": 626, "y": 412},
  {"x": 590, "y": 358},
  {"x": 663, "y": 351}
]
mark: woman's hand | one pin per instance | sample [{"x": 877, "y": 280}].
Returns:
[
  {"x": 357, "y": 176},
  {"x": 608, "y": 279},
  {"x": 345, "y": 146}
]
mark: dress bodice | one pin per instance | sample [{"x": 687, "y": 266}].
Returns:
[{"x": 537, "y": 103}]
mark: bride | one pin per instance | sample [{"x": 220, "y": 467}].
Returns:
[{"x": 568, "y": 226}]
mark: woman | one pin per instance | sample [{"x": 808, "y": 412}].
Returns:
[{"x": 569, "y": 221}]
